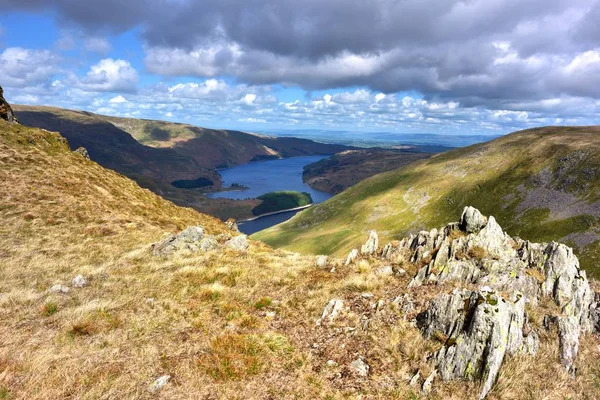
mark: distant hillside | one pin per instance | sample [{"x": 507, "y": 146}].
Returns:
[
  {"x": 340, "y": 171},
  {"x": 212, "y": 148},
  {"x": 542, "y": 184},
  {"x": 176, "y": 161}
]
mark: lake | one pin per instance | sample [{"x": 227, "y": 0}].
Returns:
[{"x": 265, "y": 177}]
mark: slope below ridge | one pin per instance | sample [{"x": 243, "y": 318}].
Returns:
[{"x": 542, "y": 184}]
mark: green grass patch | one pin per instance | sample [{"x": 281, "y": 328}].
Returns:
[{"x": 279, "y": 201}]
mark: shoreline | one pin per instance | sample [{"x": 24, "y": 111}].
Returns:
[{"x": 276, "y": 212}]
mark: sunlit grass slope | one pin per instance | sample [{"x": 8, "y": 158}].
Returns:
[
  {"x": 223, "y": 324},
  {"x": 541, "y": 184}
]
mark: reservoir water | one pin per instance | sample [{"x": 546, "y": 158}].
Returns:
[{"x": 265, "y": 177}]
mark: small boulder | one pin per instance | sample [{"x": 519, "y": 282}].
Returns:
[
  {"x": 352, "y": 257},
  {"x": 385, "y": 271},
  {"x": 321, "y": 261},
  {"x": 360, "y": 367},
  {"x": 82, "y": 151},
  {"x": 60, "y": 289},
  {"x": 415, "y": 379},
  {"x": 239, "y": 243},
  {"x": 79, "y": 282},
  {"x": 331, "y": 311},
  {"x": 428, "y": 384},
  {"x": 6, "y": 112},
  {"x": 209, "y": 243},
  {"x": 370, "y": 247},
  {"x": 231, "y": 224},
  {"x": 158, "y": 384}
]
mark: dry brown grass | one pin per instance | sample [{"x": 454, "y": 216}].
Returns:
[{"x": 223, "y": 324}]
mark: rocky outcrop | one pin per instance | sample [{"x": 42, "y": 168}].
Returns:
[
  {"x": 194, "y": 239},
  {"x": 479, "y": 327},
  {"x": 6, "y": 112}
]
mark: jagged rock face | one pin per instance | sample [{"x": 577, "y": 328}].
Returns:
[
  {"x": 480, "y": 327},
  {"x": 6, "y": 112}
]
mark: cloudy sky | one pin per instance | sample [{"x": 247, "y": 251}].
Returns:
[{"x": 434, "y": 66}]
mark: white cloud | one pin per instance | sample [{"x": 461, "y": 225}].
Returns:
[
  {"x": 118, "y": 100},
  {"x": 21, "y": 67},
  {"x": 110, "y": 75}
]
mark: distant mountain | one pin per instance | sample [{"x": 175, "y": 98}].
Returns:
[
  {"x": 541, "y": 184},
  {"x": 423, "y": 141}
]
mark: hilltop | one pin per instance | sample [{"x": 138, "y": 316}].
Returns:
[
  {"x": 109, "y": 291},
  {"x": 176, "y": 161},
  {"x": 340, "y": 171},
  {"x": 541, "y": 184}
]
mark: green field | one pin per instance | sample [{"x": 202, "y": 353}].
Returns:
[{"x": 280, "y": 201}]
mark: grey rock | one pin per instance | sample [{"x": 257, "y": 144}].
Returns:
[
  {"x": 568, "y": 335},
  {"x": 351, "y": 257},
  {"x": 331, "y": 363},
  {"x": 415, "y": 379},
  {"x": 331, "y": 311},
  {"x": 159, "y": 383},
  {"x": 188, "y": 239},
  {"x": 231, "y": 224},
  {"x": 404, "y": 303},
  {"x": 568, "y": 284},
  {"x": 372, "y": 244},
  {"x": 79, "y": 282},
  {"x": 82, "y": 151},
  {"x": 360, "y": 367},
  {"x": 472, "y": 221},
  {"x": 474, "y": 350},
  {"x": 6, "y": 112},
  {"x": 428, "y": 384},
  {"x": 321, "y": 261},
  {"x": 60, "y": 289},
  {"x": 385, "y": 271},
  {"x": 208, "y": 243},
  {"x": 239, "y": 243},
  {"x": 531, "y": 343}
]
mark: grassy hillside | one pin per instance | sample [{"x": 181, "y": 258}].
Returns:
[
  {"x": 212, "y": 148},
  {"x": 541, "y": 184},
  {"x": 340, "y": 171},
  {"x": 278, "y": 201},
  {"x": 222, "y": 324}
]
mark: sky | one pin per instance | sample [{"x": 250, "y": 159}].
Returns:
[{"x": 407, "y": 66}]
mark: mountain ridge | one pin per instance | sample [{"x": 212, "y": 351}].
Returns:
[{"x": 540, "y": 183}]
